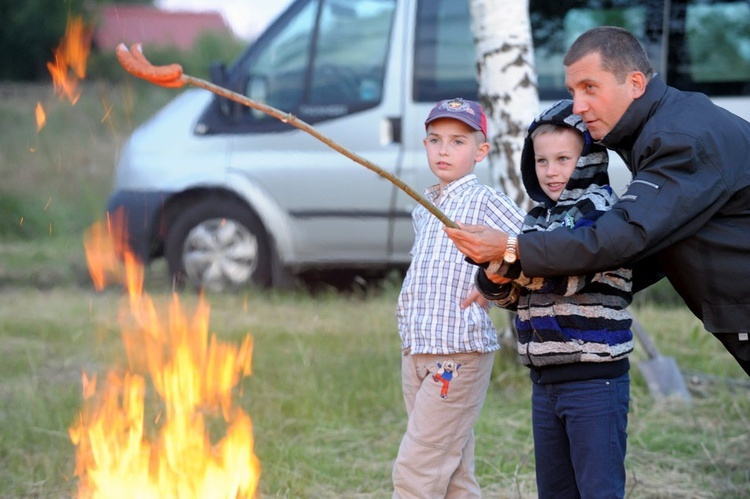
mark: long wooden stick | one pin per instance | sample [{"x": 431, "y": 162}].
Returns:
[{"x": 172, "y": 76}]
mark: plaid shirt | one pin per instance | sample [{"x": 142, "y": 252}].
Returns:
[{"x": 430, "y": 319}]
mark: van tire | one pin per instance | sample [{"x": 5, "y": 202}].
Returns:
[{"x": 218, "y": 244}]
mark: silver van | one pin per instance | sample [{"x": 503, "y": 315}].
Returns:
[{"x": 230, "y": 196}]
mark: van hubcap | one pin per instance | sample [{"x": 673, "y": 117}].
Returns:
[{"x": 220, "y": 254}]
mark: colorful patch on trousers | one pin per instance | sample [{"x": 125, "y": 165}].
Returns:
[{"x": 447, "y": 370}]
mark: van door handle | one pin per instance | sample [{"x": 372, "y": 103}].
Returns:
[{"x": 391, "y": 130}]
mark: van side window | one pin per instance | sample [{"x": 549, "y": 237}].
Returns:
[
  {"x": 554, "y": 33},
  {"x": 350, "y": 55},
  {"x": 327, "y": 61},
  {"x": 277, "y": 75},
  {"x": 710, "y": 47},
  {"x": 444, "y": 55}
]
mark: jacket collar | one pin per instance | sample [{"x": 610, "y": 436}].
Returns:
[{"x": 623, "y": 135}]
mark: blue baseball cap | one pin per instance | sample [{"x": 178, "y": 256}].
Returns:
[{"x": 467, "y": 111}]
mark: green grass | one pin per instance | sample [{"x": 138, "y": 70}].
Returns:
[{"x": 325, "y": 397}]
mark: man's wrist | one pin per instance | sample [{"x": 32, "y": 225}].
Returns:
[
  {"x": 511, "y": 244},
  {"x": 494, "y": 266}
]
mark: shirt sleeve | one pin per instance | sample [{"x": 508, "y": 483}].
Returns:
[{"x": 502, "y": 213}]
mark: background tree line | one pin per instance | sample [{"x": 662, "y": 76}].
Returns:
[{"x": 32, "y": 29}]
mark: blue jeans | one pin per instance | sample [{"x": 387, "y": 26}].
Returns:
[{"x": 580, "y": 438}]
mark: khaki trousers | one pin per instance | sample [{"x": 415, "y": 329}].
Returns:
[{"x": 436, "y": 456}]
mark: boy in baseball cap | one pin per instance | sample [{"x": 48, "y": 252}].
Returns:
[{"x": 447, "y": 337}]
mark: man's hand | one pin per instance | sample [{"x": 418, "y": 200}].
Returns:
[{"x": 478, "y": 242}]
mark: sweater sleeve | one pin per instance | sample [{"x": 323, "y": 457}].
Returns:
[{"x": 503, "y": 295}]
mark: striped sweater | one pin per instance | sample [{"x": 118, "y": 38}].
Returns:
[{"x": 575, "y": 327}]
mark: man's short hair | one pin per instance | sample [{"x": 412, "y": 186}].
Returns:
[{"x": 621, "y": 52}]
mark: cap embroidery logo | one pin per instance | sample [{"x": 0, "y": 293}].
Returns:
[{"x": 457, "y": 105}]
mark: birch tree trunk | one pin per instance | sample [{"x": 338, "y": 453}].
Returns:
[{"x": 507, "y": 85}]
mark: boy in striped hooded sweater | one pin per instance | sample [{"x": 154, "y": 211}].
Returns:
[{"x": 573, "y": 332}]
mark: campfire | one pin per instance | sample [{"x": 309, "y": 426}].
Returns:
[{"x": 168, "y": 424}]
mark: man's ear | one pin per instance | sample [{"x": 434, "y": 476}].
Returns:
[{"x": 638, "y": 82}]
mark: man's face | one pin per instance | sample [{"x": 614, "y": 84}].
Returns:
[{"x": 597, "y": 95}]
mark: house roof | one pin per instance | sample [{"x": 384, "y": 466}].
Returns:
[{"x": 149, "y": 25}]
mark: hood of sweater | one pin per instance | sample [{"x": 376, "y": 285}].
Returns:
[{"x": 590, "y": 171}]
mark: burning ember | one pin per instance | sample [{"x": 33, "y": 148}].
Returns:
[
  {"x": 168, "y": 425},
  {"x": 41, "y": 116}
]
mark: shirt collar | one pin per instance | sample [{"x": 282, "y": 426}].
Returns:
[{"x": 452, "y": 188}]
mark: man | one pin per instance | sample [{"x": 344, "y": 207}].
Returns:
[{"x": 686, "y": 213}]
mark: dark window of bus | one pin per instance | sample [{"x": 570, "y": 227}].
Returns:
[
  {"x": 556, "y": 25},
  {"x": 710, "y": 47},
  {"x": 444, "y": 55}
]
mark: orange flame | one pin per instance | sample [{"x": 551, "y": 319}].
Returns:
[
  {"x": 71, "y": 55},
  {"x": 128, "y": 447}
]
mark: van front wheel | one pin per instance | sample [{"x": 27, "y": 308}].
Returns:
[{"x": 218, "y": 245}]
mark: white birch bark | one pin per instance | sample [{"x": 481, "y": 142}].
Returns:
[{"x": 507, "y": 85}]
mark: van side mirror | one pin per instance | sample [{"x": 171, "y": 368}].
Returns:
[
  {"x": 218, "y": 73},
  {"x": 256, "y": 88},
  {"x": 219, "y": 76}
]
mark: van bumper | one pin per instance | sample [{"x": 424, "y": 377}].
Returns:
[{"x": 142, "y": 220}]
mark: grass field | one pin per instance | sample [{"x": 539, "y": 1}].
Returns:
[
  {"x": 325, "y": 392},
  {"x": 325, "y": 396}
]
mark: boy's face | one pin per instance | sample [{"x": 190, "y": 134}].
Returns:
[
  {"x": 453, "y": 148},
  {"x": 555, "y": 156}
]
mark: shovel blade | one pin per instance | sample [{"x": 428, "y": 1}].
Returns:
[{"x": 664, "y": 378}]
